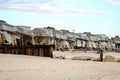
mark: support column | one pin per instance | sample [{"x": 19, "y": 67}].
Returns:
[
  {"x": 33, "y": 40},
  {"x": 12, "y": 39}
]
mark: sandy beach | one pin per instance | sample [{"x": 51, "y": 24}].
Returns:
[{"x": 22, "y": 67}]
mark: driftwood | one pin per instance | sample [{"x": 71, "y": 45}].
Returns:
[{"x": 81, "y": 58}]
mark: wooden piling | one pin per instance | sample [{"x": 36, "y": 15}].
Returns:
[
  {"x": 35, "y": 50},
  {"x": 101, "y": 55}
]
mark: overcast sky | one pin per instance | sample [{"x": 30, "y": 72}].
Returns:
[{"x": 95, "y": 16}]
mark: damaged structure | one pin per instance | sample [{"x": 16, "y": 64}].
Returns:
[
  {"x": 43, "y": 36},
  {"x": 26, "y": 35},
  {"x": 21, "y": 40},
  {"x": 9, "y": 34},
  {"x": 82, "y": 41},
  {"x": 116, "y": 40},
  {"x": 70, "y": 41},
  {"x": 61, "y": 40}
]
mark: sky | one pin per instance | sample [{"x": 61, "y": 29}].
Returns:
[{"x": 95, "y": 16}]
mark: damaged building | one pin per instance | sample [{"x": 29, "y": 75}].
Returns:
[
  {"x": 43, "y": 36},
  {"x": 9, "y": 34},
  {"x": 70, "y": 41},
  {"x": 21, "y": 40},
  {"x": 116, "y": 41},
  {"x": 82, "y": 41},
  {"x": 26, "y": 35},
  {"x": 60, "y": 39}
]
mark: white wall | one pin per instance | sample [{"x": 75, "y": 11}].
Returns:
[
  {"x": 78, "y": 43},
  {"x": 8, "y": 37}
]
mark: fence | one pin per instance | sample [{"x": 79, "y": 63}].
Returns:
[{"x": 35, "y": 50}]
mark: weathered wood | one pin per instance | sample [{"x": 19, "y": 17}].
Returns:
[{"x": 35, "y": 50}]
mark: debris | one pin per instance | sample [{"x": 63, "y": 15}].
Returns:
[
  {"x": 81, "y": 58},
  {"x": 96, "y": 59},
  {"x": 109, "y": 58}
]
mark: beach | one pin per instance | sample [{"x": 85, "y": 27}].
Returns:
[{"x": 23, "y": 67}]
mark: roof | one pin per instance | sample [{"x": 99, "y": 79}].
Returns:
[
  {"x": 59, "y": 34},
  {"x": 8, "y": 27},
  {"x": 71, "y": 36},
  {"x": 16, "y": 29},
  {"x": 83, "y": 36},
  {"x": 116, "y": 39},
  {"x": 25, "y": 27},
  {"x": 43, "y": 32},
  {"x": 94, "y": 38},
  {"x": 97, "y": 37},
  {"x": 2, "y": 22},
  {"x": 24, "y": 30},
  {"x": 103, "y": 37}
]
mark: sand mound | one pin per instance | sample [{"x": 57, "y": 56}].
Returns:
[{"x": 109, "y": 58}]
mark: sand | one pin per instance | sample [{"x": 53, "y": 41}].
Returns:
[
  {"x": 22, "y": 67},
  {"x": 69, "y": 54}
]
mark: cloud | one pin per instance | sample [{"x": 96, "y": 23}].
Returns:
[
  {"x": 23, "y": 1},
  {"x": 48, "y": 7},
  {"x": 114, "y": 2}
]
